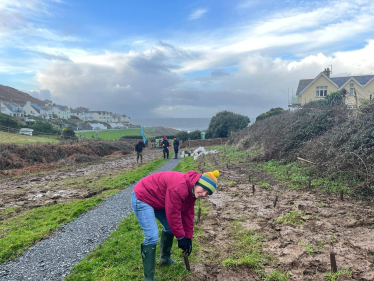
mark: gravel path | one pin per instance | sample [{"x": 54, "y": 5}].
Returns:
[{"x": 53, "y": 258}]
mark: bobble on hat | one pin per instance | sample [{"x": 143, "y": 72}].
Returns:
[{"x": 208, "y": 181}]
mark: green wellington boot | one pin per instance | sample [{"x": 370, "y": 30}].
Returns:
[
  {"x": 166, "y": 242},
  {"x": 149, "y": 260}
]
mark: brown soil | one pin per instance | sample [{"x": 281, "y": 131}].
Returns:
[
  {"x": 30, "y": 191},
  {"x": 347, "y": 224}
]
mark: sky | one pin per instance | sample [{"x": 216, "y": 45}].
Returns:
[{"x": 149, "y": 58}]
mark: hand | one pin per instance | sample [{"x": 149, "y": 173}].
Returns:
[{"x": 186, "y": 245}]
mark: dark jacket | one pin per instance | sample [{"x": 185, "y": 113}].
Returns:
[
  {"x": 165, "y": 144},
  {"x": 176, "y": 143},
  {"x": 139, "y": 147}
]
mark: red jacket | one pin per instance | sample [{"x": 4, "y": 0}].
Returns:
[{"x": 172, "y": 192}]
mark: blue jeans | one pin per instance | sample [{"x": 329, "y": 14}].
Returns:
[{"x": 146, "y": 216}]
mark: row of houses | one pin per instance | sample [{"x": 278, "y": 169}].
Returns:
[{"x": 51, "y": 111}]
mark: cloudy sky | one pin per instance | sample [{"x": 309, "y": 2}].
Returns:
[{"x": 183, "y": 58}]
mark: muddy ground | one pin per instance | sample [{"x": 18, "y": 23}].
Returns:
[
  {"x": 346, "y": 225},
  {"x": 42, "y": 188}
]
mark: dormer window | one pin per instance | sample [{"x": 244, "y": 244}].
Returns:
[
  {"x": 351, "y": 89},
  {"x": 321, "y": 91}
]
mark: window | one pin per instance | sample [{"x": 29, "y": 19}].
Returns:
[
  {"x": 321, "y": 91},
  {"x": 351, "y": 89}
]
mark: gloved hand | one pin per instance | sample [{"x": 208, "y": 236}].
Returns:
[{"x": 186, "y": 245}]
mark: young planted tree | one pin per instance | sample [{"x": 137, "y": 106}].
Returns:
[{"x": 226, "y": 122}]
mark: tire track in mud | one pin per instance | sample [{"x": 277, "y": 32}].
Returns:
[{"x": 53, "y": 258}]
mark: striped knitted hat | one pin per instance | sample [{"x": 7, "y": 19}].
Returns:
[{"x": 208, "y": 181}]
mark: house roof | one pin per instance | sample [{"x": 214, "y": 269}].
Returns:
[
  {"x": 362, "y": 80},
  {"x": 36, "y": 107},
  {"x": 12, "y": 106}
]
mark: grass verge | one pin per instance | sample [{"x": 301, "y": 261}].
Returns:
[
  {"x": 24, "y": 139},
  {"x": 114, "y": 134},
  {"x": 118, "y": 258},
  {"x": 23, "y": 230}
]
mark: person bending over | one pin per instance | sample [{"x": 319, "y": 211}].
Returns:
[{"x": 170, "y": 197}]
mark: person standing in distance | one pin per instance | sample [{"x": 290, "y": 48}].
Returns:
[
  {"x": 139, "y": 151},
  {"x": 170, "y": 197},
  {"x": 176, "y": 147},
  {"x": 165, "y": 146}
]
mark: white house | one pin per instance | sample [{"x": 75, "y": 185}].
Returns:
[
  {"x": 83, "y": 113},
  {"x": 34, "y": 109},
  {"x": 62, "y": 112},
  {"x": 12, "y": 109},
  {"x": 102, "y": 116}
]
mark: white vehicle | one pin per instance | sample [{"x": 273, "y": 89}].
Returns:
[{"x": 26, "y": 131}]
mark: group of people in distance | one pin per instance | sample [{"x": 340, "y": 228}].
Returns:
[{"x": 165, "y": 149}]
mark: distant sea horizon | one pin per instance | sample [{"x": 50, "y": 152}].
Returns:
[{"x": 182, "y": 124}]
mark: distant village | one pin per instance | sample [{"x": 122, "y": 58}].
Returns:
[{"x": 82, "y": 116}]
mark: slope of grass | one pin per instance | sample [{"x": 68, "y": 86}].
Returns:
[
  {"x": 118, "y": 258},
  {"x": 24, "y": 139},
  {"x": 114, "y": 134},
  {"x": 23, "y": 230}
]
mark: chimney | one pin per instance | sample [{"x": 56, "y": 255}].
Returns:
[{"x": 327, "y": 72}]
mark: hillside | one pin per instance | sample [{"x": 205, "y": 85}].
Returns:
[
  {"x": 10, "y": 94},
  {"x": 328, "y": 140}
]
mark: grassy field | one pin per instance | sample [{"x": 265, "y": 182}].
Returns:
[
  {"x": 114, "y": 134},
  {"x": 118, "y": 258},
  {"x": 24, "y": 139},
  {"x": 23, "y": 230}
]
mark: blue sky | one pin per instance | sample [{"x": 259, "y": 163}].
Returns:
[{"x": 179, "y": 58}]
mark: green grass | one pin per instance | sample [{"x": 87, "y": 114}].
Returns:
[
  {"x": 24, "y": 139},
  {"x": 118, "y": 258},
  {"x": 330, "y": 276},
  {"x": 293, "y": 218},
  {"x": 114, "y": 134},
  {"x": 246, "y": 250},
  {"x": 23, "y": 230}
]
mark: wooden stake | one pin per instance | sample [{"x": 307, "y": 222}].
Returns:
[
  {"x": 275, "y": 201},
  {"x": 341, "y": 195},
  {"x": 309, "y": 182},
  {"x": 199, "y": 214},
  {"x": 249, "y": 178},
  {"x": 334, "y": 268},
  {"x": 227, "y": 165},
  {"x": 253, "y": 189}
]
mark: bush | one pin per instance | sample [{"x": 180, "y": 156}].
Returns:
[
  {"x": 195, "y": 135},
  {"x": 68, "y": 133},
  {"x": 43, "y": 127},
  {"x": 271, "y": 112},
  {"x": 182, "y": 135},
  {"x": 226, "y": 122},
  {"x": 7, "y": 121}
]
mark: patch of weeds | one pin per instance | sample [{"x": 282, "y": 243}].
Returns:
[
  {"x": 263, "y": 184},
  {"x": 331, "y": 276},
  {"x": 321, "y": 205},
  {"x": 309, "y": 248},
  {"x": 276, "y": 276},
  {"x": 232, "y": 183},
  {"x": 293, "y": 218},
  {"x": 9, "y": 210}
]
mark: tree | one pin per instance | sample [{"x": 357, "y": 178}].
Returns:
[
  {"x": 43, "y": 127},
  {"x": 224, "y": 123},
  {"x": 7, "y": 121},
  {"x": 68, "y": 133},
  {"x": 271, "y": 112},
  {"x": 195, "y": 135},
  {"x": 182, "y": 135}
]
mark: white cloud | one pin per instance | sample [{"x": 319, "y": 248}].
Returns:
[{"x": 197, "y": 14}]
